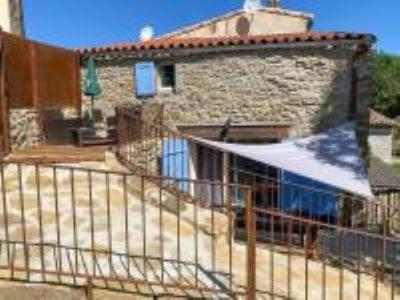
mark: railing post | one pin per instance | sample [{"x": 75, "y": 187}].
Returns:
[
  {"x": 251, "y": 246},
  {"x": 89, "y": 288}
]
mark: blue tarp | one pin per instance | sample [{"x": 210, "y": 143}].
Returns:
[
  {"x": 175, "y": 161},
  {"x": 307, "y": 197}
]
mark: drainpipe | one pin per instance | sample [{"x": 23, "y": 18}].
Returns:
[{"x": 359, "y": 112}]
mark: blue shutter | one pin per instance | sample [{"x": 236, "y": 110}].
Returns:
[
  {"x": 145, "y": 79},
  {"x": 175, "y": 162}
]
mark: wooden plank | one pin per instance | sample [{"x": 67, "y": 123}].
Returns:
[
  {"x": 40, "y": 75},
  {"x": 35, "y": 77},
  {"x": 77, "y": 81},
  {"x": 57, "y": 154},
  {"x": 4, "y": 122},
  {"x": 18, "y": 68}
]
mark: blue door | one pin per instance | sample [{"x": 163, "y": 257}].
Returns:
[{"x": 175, "y": 162}]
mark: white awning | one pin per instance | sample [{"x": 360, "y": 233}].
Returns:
[{"x": 332, "y": 157}]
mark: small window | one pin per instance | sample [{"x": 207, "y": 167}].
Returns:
[{"x": 166, "y": 75}]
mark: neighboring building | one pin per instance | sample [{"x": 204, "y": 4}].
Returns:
[
  {"x": 12, "y": 17},
  {"x": 382, "y": 176},
  {"x": 381, "y": 133},
  {"x": 266, "y": 20}
]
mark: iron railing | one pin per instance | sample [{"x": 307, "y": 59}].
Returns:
[
  {"x": 346, "y": 248},
  {"x": 115, "y": 230},
  {"x": 155, "y": 230}
]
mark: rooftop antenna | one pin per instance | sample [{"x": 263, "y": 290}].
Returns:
[
  {"x": 251, "y": 5},
  {"x": 146, "y": 34}
]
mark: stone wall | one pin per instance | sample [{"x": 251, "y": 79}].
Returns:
[
  {"x": 380, "y": 142},
  {"x": 310, "y": 88},
  {"x": 25, "y": 128}
]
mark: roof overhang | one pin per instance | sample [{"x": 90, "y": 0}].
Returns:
[
  {"x": 190, "y": 46},
  {"x": 248, "y": 132}
]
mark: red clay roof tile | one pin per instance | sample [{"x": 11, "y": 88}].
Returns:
[
  {"x": 377, "y": 119},
  {"x": 174, "y": 43}
]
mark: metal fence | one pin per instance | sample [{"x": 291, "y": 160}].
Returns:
[
  {"x": 102, "y": 229},
  {"x": 346, "y": 248},
  {"x": 155, "y": 231}
]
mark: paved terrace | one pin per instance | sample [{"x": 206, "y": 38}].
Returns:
[{"x": 107, "y": 232}]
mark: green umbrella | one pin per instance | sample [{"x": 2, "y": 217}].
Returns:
[{"x": 92, "y": 87}]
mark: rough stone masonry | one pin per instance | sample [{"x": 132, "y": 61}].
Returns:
[{"x": 309, "y": 88}]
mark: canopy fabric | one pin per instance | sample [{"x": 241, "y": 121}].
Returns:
[{"x": 331, "y": 157}]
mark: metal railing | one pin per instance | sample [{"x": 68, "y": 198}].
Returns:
[
  {"x": 156, "y": 231},
  {"x": 303, "y": 241},
  {"x": 115, "y": 230}
]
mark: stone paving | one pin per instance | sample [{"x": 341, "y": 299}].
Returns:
[{"x": 212, "y": 247}]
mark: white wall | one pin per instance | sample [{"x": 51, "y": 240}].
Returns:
[
  {"x": 5, "y": 21},
  {"x": 380, "y": 142}
]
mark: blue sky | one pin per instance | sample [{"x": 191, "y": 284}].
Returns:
[{"x": 80, "y": 23}]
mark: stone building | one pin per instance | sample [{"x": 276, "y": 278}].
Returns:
[
  {"x": 302, "y": 82},
  {"x": 11, "y": 17},
  {"x": 270, "y": 75},
  {"x": 381, "y": 135}
]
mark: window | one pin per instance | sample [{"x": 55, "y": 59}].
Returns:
[
  {"x": 150, "y": 79},
  {"x": 166, "y": 75}
]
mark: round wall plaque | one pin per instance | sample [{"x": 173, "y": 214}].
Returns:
[{"x": 243, "y": 26}]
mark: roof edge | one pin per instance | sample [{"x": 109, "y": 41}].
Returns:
[
  {"x": 377, "y": 119},
  {"x": 171, "y": 44}
]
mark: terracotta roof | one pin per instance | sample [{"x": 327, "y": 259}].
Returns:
[
  {"x": 377, "y": 119},
  {"x": 183, "y": 43},
  {"x": 382, "y": 175}
]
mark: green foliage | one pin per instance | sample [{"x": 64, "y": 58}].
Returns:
[{"x": 386, "y": 78}]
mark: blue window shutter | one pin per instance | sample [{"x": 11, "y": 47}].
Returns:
[{"x": 145, "y": 79}]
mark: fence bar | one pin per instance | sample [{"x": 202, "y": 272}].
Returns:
[
  {"x": 251, "y": 246},
  {"x": 5, "y": 211},
  {"x": 39, "y": 206},
  {"x": 57, "y": 216},
  {"x": 74, "y": 224},
  {"x": 23, "y": 221}
]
